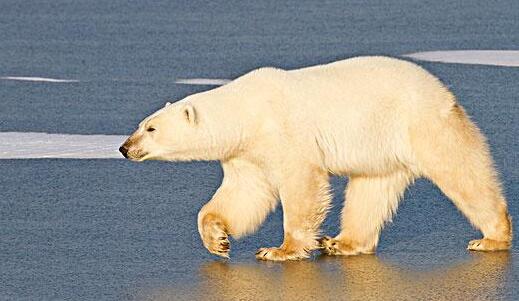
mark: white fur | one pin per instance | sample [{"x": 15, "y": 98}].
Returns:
[{"x": 279, "y": 134}]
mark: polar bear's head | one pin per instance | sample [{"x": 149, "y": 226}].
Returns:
[{"x": 171, "y": 133}]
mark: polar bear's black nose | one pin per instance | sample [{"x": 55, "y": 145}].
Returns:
[{"x": 124, "y": 151}]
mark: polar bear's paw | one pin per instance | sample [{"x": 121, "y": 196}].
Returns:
[
  {"x": 214, "y": 236},
  {"x": 281, "y": 254},
  {"x": 331, "y": 246},
  {"x": 486, "y": 244}
]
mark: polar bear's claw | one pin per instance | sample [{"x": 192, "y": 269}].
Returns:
[
  {"x": 327, "y": 246},
  {"x": 280, "y": 254},
  {"x": 486, "y": 244},
  {"x": 332, "y": 246},
  {"x": 220, "y": 247},
  {"x": 214, "y": 236}
]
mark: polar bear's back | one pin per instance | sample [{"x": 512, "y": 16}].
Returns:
[
  {"x": 354, "y": 113},
  {"x": 373, "y": 79}
]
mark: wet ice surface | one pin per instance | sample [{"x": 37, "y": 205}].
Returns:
[
  {"x": 115, "y": 230},
  {"x": 480, "y": 277}
]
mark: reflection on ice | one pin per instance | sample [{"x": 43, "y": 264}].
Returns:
[{"x": 364, "y": 277}]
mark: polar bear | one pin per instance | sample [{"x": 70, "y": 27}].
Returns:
[{"x": 279, "y": 135}]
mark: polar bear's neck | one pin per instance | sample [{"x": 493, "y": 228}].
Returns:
[{"x": 233, "y": 116}]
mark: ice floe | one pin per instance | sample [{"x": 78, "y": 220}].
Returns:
[
  {"x": 27, "y": 145},
  {"x": 509, "y": 58},
  {"x": 39, "y": 79},
  {"x": 202, "y": 81}
]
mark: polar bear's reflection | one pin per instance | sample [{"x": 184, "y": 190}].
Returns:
[{"x": 364, "y": 277}]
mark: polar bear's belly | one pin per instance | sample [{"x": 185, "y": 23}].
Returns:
[{"x": 356, "y": 151}]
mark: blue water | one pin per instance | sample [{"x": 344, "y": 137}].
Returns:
[{"x": 116, "y": 230}]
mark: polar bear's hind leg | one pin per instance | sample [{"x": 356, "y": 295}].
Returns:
[
  {"x": 457, "y": 159},
  {"x": 370, "y": 202}
]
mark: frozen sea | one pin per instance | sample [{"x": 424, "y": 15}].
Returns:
[{"x": 110, "y": 229}]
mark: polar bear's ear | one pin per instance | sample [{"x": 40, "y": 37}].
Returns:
[
  {"x": 189, "y": 113},
  {"x": 167, "y": 104}
]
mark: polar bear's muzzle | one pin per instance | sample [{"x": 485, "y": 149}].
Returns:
[
  {"x": 130, "y": 150},
  {"x": 124, "y": 150}
]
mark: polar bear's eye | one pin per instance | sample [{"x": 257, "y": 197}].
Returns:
[{"x": 150, "y": 129}]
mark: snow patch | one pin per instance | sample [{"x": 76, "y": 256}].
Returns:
[
  {"x": 39, "y": 79},
  {"x": 28, "y": 145},
  {"x": 202, "y": 81},
  {"x": 509, "y": 58}
]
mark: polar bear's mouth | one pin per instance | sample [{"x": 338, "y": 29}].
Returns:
[
  {"x": 143, "y": 157},
  {"x": 133, "y": 155},
  {"x": 138, "y": 156}
]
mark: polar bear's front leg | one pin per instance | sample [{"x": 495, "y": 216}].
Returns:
[
  {"x": 213, "y": 231},
  {"x": 306, "y": 199},
  {"x": 239, "y": 206}
]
